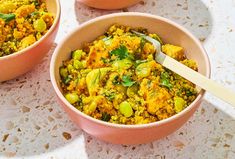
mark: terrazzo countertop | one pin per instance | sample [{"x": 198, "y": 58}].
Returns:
[{"x": 33, "y": 125}]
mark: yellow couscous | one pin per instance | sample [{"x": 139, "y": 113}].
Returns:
[
  {"x": 22, "y": 22},
  {"x": 116, "y": 79}
]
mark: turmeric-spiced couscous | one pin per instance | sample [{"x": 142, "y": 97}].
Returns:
[
  {"x": 22, "y": 22},
  {"x": 116, "y": 79}
]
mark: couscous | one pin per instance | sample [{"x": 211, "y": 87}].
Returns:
[
  {"x": 22, "y": 22},
  {"x": 116, "y": 79}
]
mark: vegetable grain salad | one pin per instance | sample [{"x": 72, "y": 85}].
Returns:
[
  {"x": 116, "y": 79},
  {"x": 22, "y": 22}
]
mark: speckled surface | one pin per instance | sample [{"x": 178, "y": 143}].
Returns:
[{"x": 32, "y": 124}]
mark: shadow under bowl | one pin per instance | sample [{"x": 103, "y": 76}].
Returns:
[
  {"x": 18, "y": 63},
  {"x": 109, "y": 4},
  {"x": 118, "y": 133}
]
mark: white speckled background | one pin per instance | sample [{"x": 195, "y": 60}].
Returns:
[{"x": 32, "y": 124}]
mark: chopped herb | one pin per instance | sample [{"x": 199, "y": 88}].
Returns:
[
  {"x": 7, "y": 17},
  {"x": 110, "y": 96},
  {"x": 189, "y": 93},
  {"x": 34, "y": 13},
  {"x": 180, "y": 91},
  {"x": 131, "y": 57},
  {"x": 67, "y": 80},
  {"x": 149, "y": 84},
  {"x": 121, "y": 52},
  {"x": 166, "y": 83},
  {"x": 142, "y": 43},
  {"x": 165, "y": 75},
  {"x": 115, "y": 80},
  {"x": 138, "y": 62},
  {"x": 80, "y": 103},
  {"x": 36, "y": 3},
  {"x": 127, "y": 82},
  {"x": 105, "y": 116},
  {"x": 165, "y": 80},
  {"x": 104, "y": 60}
]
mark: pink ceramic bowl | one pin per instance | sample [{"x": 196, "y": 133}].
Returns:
[
  {"x": 22, "y": 61},
  {"x": 109, "y": 4},
  {"x": 129, "y": 134}
]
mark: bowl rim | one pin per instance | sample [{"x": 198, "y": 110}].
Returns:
[
  {"x": 114, "y": 125},
  {"x": 98, "y": 4},
  {"x": 51, "y": 29}
]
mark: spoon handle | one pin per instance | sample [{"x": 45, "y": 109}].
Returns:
[{"x": 207, "y": 84}]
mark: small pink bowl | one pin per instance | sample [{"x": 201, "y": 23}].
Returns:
[
  {"x": 109, "y": 4},
  {"x": 129, "y": 134},
  {"x": 22, "y": 61}
]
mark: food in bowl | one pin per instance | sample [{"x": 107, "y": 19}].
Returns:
[
  {"x": 22, "y": 23},
  {"x": 20, "y": 62},
  {"x": 170, "y": 33},
  {"x": 116, "y": 79}
]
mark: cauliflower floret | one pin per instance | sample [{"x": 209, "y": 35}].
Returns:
[
  {"x": 28, "y": 40},
  {"x": 25, "y": 10},
  {"x": 173, "y": 51}
]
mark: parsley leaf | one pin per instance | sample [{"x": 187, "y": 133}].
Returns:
[
  {"x": 105, "y": 116},
  {"x": 166, "y": 83},
  {"x": 165, "y": 75},
  {"x": 109, "y": 95},
  {"x": 142, "y": 43},
  {"x": 138, "y": 62},
  {"x": 36, "y": 3},
  {"x": 34, "y": 13},
  {"x": 104, "y": 60},
  {"x": 7, "y": 17},
  {"x": 116, "y": 80},
  {"x": 165, "y": 80},
  {"x": 127, "y": 82},
  {"x": 121, "y": 52},
  {"x": 67, "y": 79}
]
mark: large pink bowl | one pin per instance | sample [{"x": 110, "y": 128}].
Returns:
[
  {"x": 22, "y": 61},
  {"x": 109, "y": 4},
  {"x": 129, "y": 134}
]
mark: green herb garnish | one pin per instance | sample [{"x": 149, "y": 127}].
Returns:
[
  {"x": 104, "y": 60},
  {"x": 138, "y": 62},
  {"x": 36, "y": 2},
  {"x": 7, "y": 17},
  {"x": 127, "y": 81},
  {"x": 34, "y": 13},
  {"x": 121, "y": 52},
  {"x": 116, "y": 80},
  {"x": 142, "y": 43},
  {"x": 67, "y": 79},
  {"x": 105, "y": 117},
  {"x": 165, "y": 80},
  {"x": 110, "y": 96}
]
